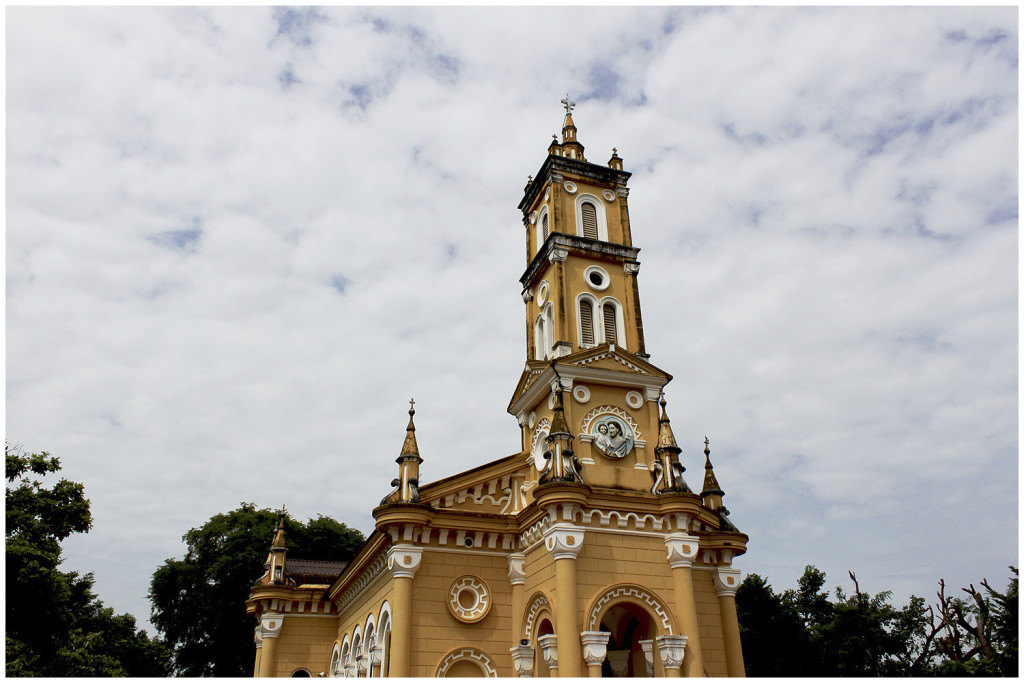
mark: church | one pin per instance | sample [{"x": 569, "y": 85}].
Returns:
[{"x": 585, "y": 552}]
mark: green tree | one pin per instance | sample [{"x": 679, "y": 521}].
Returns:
[
  {"x": 56, "y": 626},
  {"x": 199, "y": 601},
  {"x": 775, "y": 639}
]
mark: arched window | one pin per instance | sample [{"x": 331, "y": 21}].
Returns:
[
  {"x": 539, "y": 351},
  {"x": 589, "y": 215},
  {"x": 611, "y": 334},
  {"x": 586, "y": 323},
  {"x": 549, "y": 329},
  {"x": 544, "y": 228}
]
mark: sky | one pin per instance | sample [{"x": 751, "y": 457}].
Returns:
[{"x": 239, "y": 240}]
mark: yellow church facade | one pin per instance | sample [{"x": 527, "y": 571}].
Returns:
[{"x": 585, "y": 553}]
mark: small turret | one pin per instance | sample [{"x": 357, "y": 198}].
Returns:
[
  {"x": 668, "y": 471},
  {"x": 409, "y": 463},
  {"x": 616, "y": 161},
  {"x": 562, "y": 464}
]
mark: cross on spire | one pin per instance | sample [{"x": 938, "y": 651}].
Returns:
[
  {"x": 568, "y": 104},
  {"x": 412, "y": 406}
]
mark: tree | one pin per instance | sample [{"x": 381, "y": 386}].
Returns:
[
  {"x": 805, "y": 632},
  {"x": 199, "y": 601},
  {"x": 56, "y": 626}
]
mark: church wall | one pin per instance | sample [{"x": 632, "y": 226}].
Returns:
[
  {"x": 436, "y": 632},
  {"x": 305, "y": 642},
  {"x": 357, "y": 613}
]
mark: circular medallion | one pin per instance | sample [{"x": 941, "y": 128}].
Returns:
[
  {"x": 542, "y": 293},
  {"x": 532, "y": 420},
  {"x": 569, "y": 186},
  {"x": 608, "y": 195},
  {"x": 533, "y": 217},
  {"x": 612, "y": 436},
  {"x": 634, "y": 399},
  {"x": 469, "y": 601},
  {"x": 597, "y": 278},
  {"x": 581, "y": 393}
]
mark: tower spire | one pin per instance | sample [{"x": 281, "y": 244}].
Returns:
[
  {"x": 408, "y": 460},
  {"x": 274, "y": 566},
  {"x": 562, "y": 466},
  {"x": 571, "y": 147},
  {"x": 668, "y": 471}
]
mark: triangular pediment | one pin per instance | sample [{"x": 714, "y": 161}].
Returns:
[
  {"x": 613, "y": 358},
  {"x": 531, "y": 373}
]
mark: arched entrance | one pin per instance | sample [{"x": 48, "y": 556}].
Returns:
[{"x": 629, "y": 646}]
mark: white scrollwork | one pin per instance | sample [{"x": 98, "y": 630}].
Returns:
[
  {"x": 549, "y": 649},
  {"x": 522, "y": 660},
  {"x": 634, "y": 399},
  {"x": 595, "y": 646},
  {"x": 471, "y": 654},
  {"x": 516, "y": 572},
  {"x": 539, "y": 445},
  {"x": 538, "y": 603},
  {"x": 469, "y": 600},
  {"x": 636, "y": 593}
]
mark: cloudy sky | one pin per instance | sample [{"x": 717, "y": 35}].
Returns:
[{"x": 239, "y": 240}]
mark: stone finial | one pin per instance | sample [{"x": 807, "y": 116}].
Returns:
[
  {"x": 667, "y": 470},
  {"x": 711, "y": 486},
  {"x": 410, "y": 447}
]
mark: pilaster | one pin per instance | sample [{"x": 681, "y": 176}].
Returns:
[
  {"x": 270, "y": 628},
  {"x": 564, "y": 541},
  {"x": 727, "y": 582},
  {"x": 682, "y": 550},
  {"x": 403, "y": 562},
  {"x": 673, "y": 650}
]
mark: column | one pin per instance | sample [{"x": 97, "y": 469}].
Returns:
[
  {"x": 564, "y": 541},
  {"x": 672, "y": 649},
  {"x": 682, "y": 549},
  {"x": 517, "y": 577},
  {"x": 403, "y": 561},
  {"x": 727, "y": 582},
  {"x": 549, "y": 651},
  {"x": 595, "y": 647},
  {"x": 648, "y": 647},
  {"x": 270, "y": 625},
  {"x": 258, "y": 639}
]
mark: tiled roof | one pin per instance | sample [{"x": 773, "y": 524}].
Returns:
[{"x": 313, "y": 571}]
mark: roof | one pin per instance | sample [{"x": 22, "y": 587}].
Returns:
[{"x": 313, "y": 571}]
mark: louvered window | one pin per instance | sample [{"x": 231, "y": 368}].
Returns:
[
  {"x": 586, "y": 323},
  {"x": 589, "y": 220},
  {"x": 610, "y": 334},
  {"x": 544, "y": 229}
]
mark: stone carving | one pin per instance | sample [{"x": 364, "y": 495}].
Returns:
[
  {"x": 522, "y": 659},
  {"x": 672, "y": 650},
  {"x": 564, "y": 540},
  {"x": 468, "y": 599},
  {"x": 660, "y": 612},
  {"x": 727, "y": 581},
  {"x": 404, "y": 560},
  {"x": 538, "y": 603},
  {"x": 549, "y": 650},
  {"x": 612, "y": 436},
  {"x": 472, "y": 654},
  {"x": 682, "y": 549},
  {"x": 595, "y": 646},
  {"x": 648, "y": 647}
]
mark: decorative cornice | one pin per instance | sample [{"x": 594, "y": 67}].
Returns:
[
  {"x": 368, "y": 575},
  {"x": 584, "y": 246}
]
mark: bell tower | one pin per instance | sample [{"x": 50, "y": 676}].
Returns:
[{"x": 584, "y": 330}]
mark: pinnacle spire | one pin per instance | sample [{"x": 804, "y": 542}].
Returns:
[
  {"x": 666, "y": 439},
  {"x": 409, "y": 448},
  {"x": 711, "y": 486},
  {"x": 279, "y": 541}
]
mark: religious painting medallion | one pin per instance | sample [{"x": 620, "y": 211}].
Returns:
[{"x": 612, "y": 437}]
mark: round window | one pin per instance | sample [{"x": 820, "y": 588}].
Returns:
[{"x": 597, "y": 278}]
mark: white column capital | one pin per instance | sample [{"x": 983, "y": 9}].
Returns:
[
  {"x": 522, "y": 660},
  {"x": 270, "y": 625},
  {"x": 595, "y": 646},
  {"x": 672, "y": 650},
  {"x": 257, "y": 636},
  {"x": 549, "y": 649},
  {"x": 564, "y": 540},
  {"x": 516, "y": 573},
  {"x": 727, "y": 581},
  {"x": 404, "y": 560},
  {"x": 682, "y": 549}
]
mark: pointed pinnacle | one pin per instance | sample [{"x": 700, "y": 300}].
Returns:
[{"x": 410, "y": 447}]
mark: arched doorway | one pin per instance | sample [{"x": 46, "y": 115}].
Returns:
[
  {"x": 630, "y": 652},
  {"x": 540, "y": 666}
]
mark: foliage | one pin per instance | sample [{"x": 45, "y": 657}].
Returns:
[
  {"x": 56, "y": 626},
  {"x": 805, "y": 632},
  {"x": 199, "y": 601}
]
